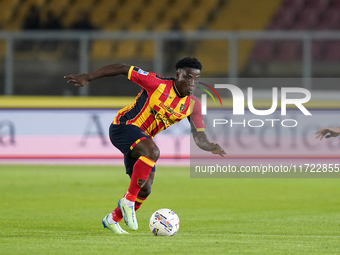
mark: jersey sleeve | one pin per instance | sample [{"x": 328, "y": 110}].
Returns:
[
  {"x": 146, "y": 80},
  {"x": 195, "y": 118}
]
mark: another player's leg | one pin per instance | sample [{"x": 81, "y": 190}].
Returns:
[{"x": 147, "y": 153}]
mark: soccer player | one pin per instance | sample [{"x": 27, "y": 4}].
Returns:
[
  {"x": 331, "y": 131},
  {"x": 161, "y": 103}
]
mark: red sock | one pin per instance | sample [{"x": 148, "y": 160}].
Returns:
[
  {"x": 117, "y": 215},
  {"x": 139, "y": 202},
  {"x": 140, "y": 175}
]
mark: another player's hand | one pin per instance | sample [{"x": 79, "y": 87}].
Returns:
[
  {"x": 328, "y": 132},
  {"x": 216, "y": 149},
  {"x": 79, "y": 80}
]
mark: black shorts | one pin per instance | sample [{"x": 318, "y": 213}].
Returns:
[{"x": 125, "y": 138}]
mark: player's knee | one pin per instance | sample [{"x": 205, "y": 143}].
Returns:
[
  {"x": 153, "y": 153},
  {"x": 146, "y": 148}
]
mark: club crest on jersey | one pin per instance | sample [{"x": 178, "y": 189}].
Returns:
[
  {"x": 182, "y": 107},
  {"x": 142, "y": 72}
]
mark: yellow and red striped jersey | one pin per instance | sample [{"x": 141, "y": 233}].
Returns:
[{"x": 158, "y": 105}]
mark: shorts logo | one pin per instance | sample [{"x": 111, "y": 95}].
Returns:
[
  {"x": 142, "y": 72},
  {"x": 141, "y": 182},
  {"x": 144, "y": 133}
]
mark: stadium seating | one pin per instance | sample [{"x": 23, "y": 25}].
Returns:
[
  {"x": 263, "y": 51},
  {"x": 147, "y": 50},
  {"x": 246, "y": 19},
  {"x": 2, "y": 48},
  {"x": 320, "y": 5},
  {"x": 332, "y": 52},
  {"x": 72, "y": 10},
  {"x": 306, "y": 19},
  {"x": 293, "y": 4},
  {"x": 289, "y": 50},
  {"x": 57, "y": 6},
  {"x": 177, "y": 11},
  {"x": 197, "y": 18},
  {"x": 303, "y": 15},
  {"x": 283, "y": 19},
  {"x": 318, "y": 50},
  {"x": 7, "y": 8},
  {"x": 122, "y": 50},
  {"x": 100, "y": 14},
  {"x": 101, "y": 49},
  {"x": 335, "y": 4},
  {"x": 113, "y": 15},
  {"x": 214, "y": 15},
  {"x": 126, "y": 49},
  {"x": 329, "y": 20},
  {"x": 216, "y": 62},
  {"x": 150, "y": 18}
]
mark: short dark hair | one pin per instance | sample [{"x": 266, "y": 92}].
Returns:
[{"x": 188, "y": 62}]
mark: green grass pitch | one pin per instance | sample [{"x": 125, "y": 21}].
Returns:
[{"x": 58, "y": 210}]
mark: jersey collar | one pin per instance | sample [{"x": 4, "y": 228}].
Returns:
[{"x": 175, "y": 89}]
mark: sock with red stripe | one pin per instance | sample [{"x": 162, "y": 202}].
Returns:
[
  {"x": 139, "y": 202},
  {"x": 117, "y": 215},
  {"x": 140, "y": 175}
]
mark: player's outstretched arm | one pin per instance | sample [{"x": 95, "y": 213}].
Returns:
[
  {"x": 80, "y": 80},
  {"x": 328, "y": 132},
  {"x": 203, "y": 143}
]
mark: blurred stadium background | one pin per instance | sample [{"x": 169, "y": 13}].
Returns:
[
  {"x": 58, "y": 209},
  {"x": 241, "y": 42},
  {"x": 42, "y": 40}
]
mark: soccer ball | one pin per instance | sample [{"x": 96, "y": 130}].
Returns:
[{"x": 164, "y": 222}]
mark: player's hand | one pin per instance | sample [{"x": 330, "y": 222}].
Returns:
[
  {"x": 327, "y": 132},
  {"x": 79, "y": 80},
  {"x": 216, "y": 149}
]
